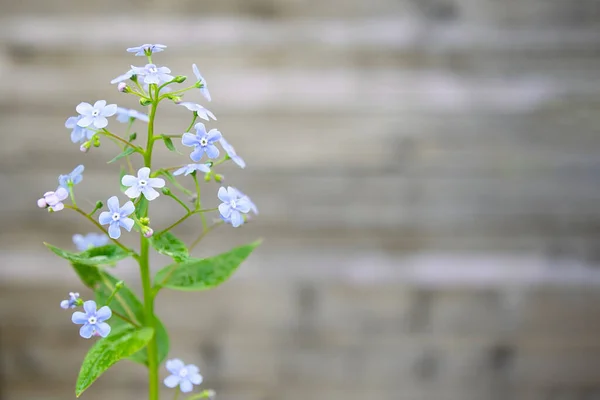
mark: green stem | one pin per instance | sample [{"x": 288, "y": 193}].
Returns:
[
  {"x": 177, "y": 199},
  {"x": 186, "y": 216},
  {"x": 124, "y": 318},
  {"x": 72, "y": 194},
  {"x": 204, "y": 233},
  {"x": 120, "y": 139},
  {"x": 193, "y": 121},
  {"x": 144, "y": 263},
  {"x": 198, "y": 204}
]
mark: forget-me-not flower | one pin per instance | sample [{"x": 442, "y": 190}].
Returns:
[
  {"x": 92, "y": 320},
  {"x": 201, "y": 111},
  {"x": 142, "y": 184},
  {"x": 186, "y": 376},
  {"x": 89, "y": 241},
  {"x": 202, "y": 142},
  {"x": 53, "y": 200},
  {"x": 202, "y": 81},
  {"x": 125, "y": 114},
  {"x": 71, "y": 302},
  {"x": 78, "y": 134},
  {"x": 117, "y": 217},
  {"x": 188, "y": 169},
  {"x": 233, "y": 206},
  {"x": 72, "y": 178},
  {"x": 123, "y": 78},
  {"x": 96, "y": 114},
  {"x": 253, "y": 207},
  {"x": 146, "y": 48},
  {"x": 231, "y": 153},
  {"x": 153, "y": 74}
]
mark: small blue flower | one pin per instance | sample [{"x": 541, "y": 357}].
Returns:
[
  {"x": 202, "y": 82},
  {"x": 153, "y": 74},
  {"x": 125, "y": 114},
  {"x": 231, "y": 153},
  {"x": 92, "y": 320},
  {"x": 117, "y": 217},
  {"x": 142, "y": 184},
  {"x": 123, "y": 78},
  {"x": 253, "y": 207},
  {"x": 188, "y": 169},
  {"x": 78, "y": 134},
  {"x": 147, "y": 49},
  {"x": 71, "y": 302},
  {"x": 89, "y": 241},
  {"x": 96, "y": 114},
  {"x": 186, "y": 376},
  {"x": 233, "y": 205},
  {"x": 72, "y": 178},
  {"x": 201, "y": 111},
  {"x": 202, "y": 142},
  {"x": 53, "y": 200}
]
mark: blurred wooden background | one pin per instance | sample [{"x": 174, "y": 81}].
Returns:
[{"x": 427, "y": 176}]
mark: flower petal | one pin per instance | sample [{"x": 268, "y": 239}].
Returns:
[
  {"x": 100, "y": 104},
  {"x": 127, "y": 209},
  {"x": 180, "y": 170},
  {"x": 84, "y": 108},
  {"x": 126, "y": 223},
  {"x": 186, "y": 386},
  {"x": 174, "y": 366},
  {"x": 133, "y": 192},
  {"x": 212, "y": 151},
  {"x": 196, "y": 378},
  {"x": 64, "y": 304},
  {"x": 100, "y": 122},
  {"x": 171, "y": 381},
  {"x": 149, "y": 193},
  {"x": 90, "y": 307},
  {"x": 103, "y": 329},
  {"x": 129, "y": 180},
  {"x": 114, "y": 230},
  {"x": 202, "y": 167},
  {"x": 200, "y": 129},
  {"x": 236, "y": 218},
  {"x": 113, "y": 204},
  {"x": 105, "y": 218},
  {"x": 109, "y": 110},
  {"x": 103, "y": 314},
  {"x": 223, "y": 195},
  {"x": 79, "y": 318},
  {"x": 144, "y": 173},
  {"x": 189, "y": 139},
  {"x": 243, "y": 205},
  {"x": 197, "y": 154},
  {"x": 196, "y": 72},
  {"x": 57, "y": 207},
  {"x": 61, "y": 193},
  {"x": 214, "y": 135},
  {"x": 225, "y": 210},
  {"x": 156, "y": 182},
  {"x": 85, "y": 121},
  {"x": 86, "y": 331}
]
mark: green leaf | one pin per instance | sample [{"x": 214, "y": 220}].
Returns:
[
  {"x": 169, "y": 245},
  {"x": 203, "y": 274},
  {"x": 169, "y": 143},
  {"x": 108, "y": 351},
  {"x": 101, "y": 255},
  {"x": 141, "y": 208},
  {"x": 89, "y": 274},
  {"x": 127, "y": 304},
  {"x": 127, "y": 152}
]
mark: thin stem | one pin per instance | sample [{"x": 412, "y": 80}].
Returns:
[
  {"x": 176, "y": 396},
  {"x": 198, "y": 204},
  {"x": 174, "y": 135},
  {"x": 210, "y": 228},
  {"x": 72, "y": 194},
  {"x": 175, "y": 92},
  {"x": 124, "y": 318},
  {"x": 177, "y": 199},
  {"x": 186, "y": 216},
  {"x": 193, "y": 121},
  {"x": 120, "y": 139},
  {"x": 93, "y": 221}
]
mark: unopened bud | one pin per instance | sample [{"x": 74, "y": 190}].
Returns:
[
  {"x": 84, "y": 148},
  {"x": 176, "y": 99},
  {"x": 207, "y": 177},
  {"x": 122, "y": 87},
  {"x": 96, "y": 140},
  {"x": 41, "y": 203},
  {"x": 180, "y": 78},
  {"x": 99, "y": 205},
  {"x": 166, "y": 191},
  {"x": 119, "y": 285},
  {"x": 145, "y": 221},
  {"x": 148, "y": 232},
  {"x": 133, "y": 136},
  {"x": 219, "y": 178},
  {"x": 145, "y": 102}
]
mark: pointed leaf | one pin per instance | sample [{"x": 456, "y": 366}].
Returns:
[
  {"x": 169, "y": 143},
  {"x": 162, "y": 342},
  {"x": 203, "y": 274},
  {"x": 127, "y": 152},
  {"x": 169, "y": 245},
  {"x": 101, "y": 255},
  {"x": 108, "y": 351},
  {"x": 89, "y": 274}
]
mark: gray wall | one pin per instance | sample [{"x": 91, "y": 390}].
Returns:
[{"x": 427, "y": 175}]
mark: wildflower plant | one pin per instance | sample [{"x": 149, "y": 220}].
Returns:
[{"x": 122, "y": 325}]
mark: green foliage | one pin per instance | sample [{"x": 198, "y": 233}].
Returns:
[
  {"x": 169, "y": 143},
  {"x": 107, "y": 351},
  {"x": 169, "y": 245},
  {"x": 103, "y": 255},
  {"x": 203, "y": 274},
  {"x": 127, "y": 152}
]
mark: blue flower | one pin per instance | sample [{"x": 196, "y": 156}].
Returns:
[
  {"x": 78, "y": 134},
  {"x": 202, "y": 82},
  {"x": 147, "y": 49},
  {"x": 153, "y": 74},
  {"x": 96, "y": 114},
  {"x": 233, "y": 205},
  {"x": 231, "y": 153},
  {"x": 89, "y": 241},
  {"x": 72, "y": 178},
  {"x": 186, "y": 376},
  {"x": 253, "y": 207},
  {"x": 92, "y": 320},
  {"x": 124, "y": 77},
  {"x": 142, "y": 184},
  {"x": 201, "y": 111},
  {"x": 202, "y": 142},
  {"x": 71, "y": 302},
  {"x": 188, "y": 169},
  {"x": 117, "y": 217},
  {"x": 125, "y": 114},
  {"x": 53, "y": 200}
]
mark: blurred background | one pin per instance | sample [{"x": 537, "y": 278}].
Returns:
[{"x": 427, "y": 173}]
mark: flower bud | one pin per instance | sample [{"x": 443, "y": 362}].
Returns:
[
  {"x": 145, "y": 102},
  {"x": 176, "y": 99},
  {"x": 180, "y": 79},
  {"x": 166, "y": 191},
  {"x": 41, "y": 203},
  {"x": 99, "y": 205},
  {"x": 219, "y": 178},
  {"x": 84, "y": 148},
  {"x": 145, "y": 221},
  {"x": 119, "y": 285},
  {"x": 207, "y": 177},
  {"x": 96, "y": 140},
  {"x": 148, "y": 232},
  {"x": 122, "y": 87},
  {"x": 133, "y": 136}
]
